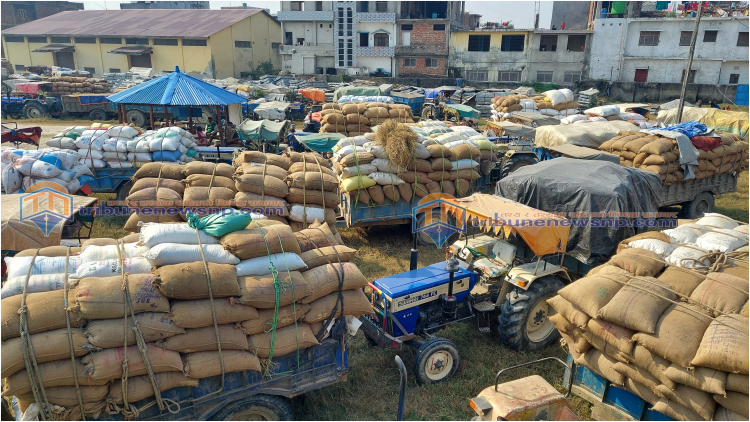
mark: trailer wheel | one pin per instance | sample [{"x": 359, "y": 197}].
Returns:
[
  {"x": 97, "y": 114},
  {"x": 124, "y": 190},
  {"x": 696, "y": 208},
  {"x": 422, "y": 238},
  {"x": 136, "y": 117},
  {"x": 515, "y": 162},
  {"x": 524, "y": 318},
  {"x": 258, "y": 407},
  {"x": 436, "y": 360}
]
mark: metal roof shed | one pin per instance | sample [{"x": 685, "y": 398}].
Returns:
[{"x": 180, "y": 89}]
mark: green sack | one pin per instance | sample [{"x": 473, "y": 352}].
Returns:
[
  {"x": 191, "y": 152},
  {"x": 220, "y": 224}
]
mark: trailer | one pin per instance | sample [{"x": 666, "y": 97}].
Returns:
[{"x": 414, "y": 100}]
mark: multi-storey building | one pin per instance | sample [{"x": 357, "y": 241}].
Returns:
[{"x": 19, "y": 12}]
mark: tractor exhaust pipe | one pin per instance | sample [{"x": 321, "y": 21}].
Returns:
[
  {"x": 414, "y": 254},
  {"x": 449, "y": 303}
]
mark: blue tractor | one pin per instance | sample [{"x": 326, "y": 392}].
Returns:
[{"x": 30, "y": 106}]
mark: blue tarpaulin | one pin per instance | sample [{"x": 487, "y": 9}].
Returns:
[
  {"x": 92, "y": 99},
  {"x": 689, "y": 129}
]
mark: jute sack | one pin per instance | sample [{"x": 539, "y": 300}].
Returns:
[
  {"x": 286, "y": 316},
  {"x": 287, "y": 340},
  {"x": 107, "y": 333},
  {"x": 637, "y": 374},
  {"x": 132, "y": 224},
  {"x": 329, "y": 278},
  {"x": 357, "y": 128},
  {"x": 658, "y": 146},
  {"x": 356, "y": 158},
  {"x": 639, "y": 262},
  {"x": 255, "y": 168},
  {"x": 358, "y": 119},
  {"x": 48, "y": 346},
  {"x": 412, "y": 176},
  {"x": 67, "y": 397},
  {"x": 140, "y": 387},
  {"x": 261, "y": 292},
  {"x": 327, "y": 255},
  {"x": 331, "y": 106},
  {"x": 696, "y": 400},
  {"x": 723, "y": 292},
  {"x": 203, "y": 167},
  {"x": 620, "y": 337},
  {"x": 260, "y": 241},
  {"x": 602, "y": 365},
  {"x": 677, "y": 335},
  {"x": 153, "y": 197},
  {"x": 376, "y": 194},
  {"x": 577, "y": 344},
  {"x": 204, "y": 180},
  {"x": 202, "y": 194},
  {"x": 107, "y": 364},
  {"x": 102, "y": 298},
  {"x": 705, "y": 379},
  {"x": 315, "y": 237},
  {"x": 312, "y": 196},
  {"x": 599, "y": 344},
  {"x": 355, "y": 303},
  {"x": 208, "y": 364},
  {"x": 313, "y": 181},
  {"x": 676, "y": 411},
  {"x": 464, "y": 151},
  {"x": 681, "y": 280},
  {"x": 570, "y": 312},
  {"x": 261, "y": 158},
  {"x": 189, "y": 281},
  {"x": 333, "y": 119},
  {"x": 311, "y": 212},
  {"x": 639, "y": 304},
  {"x": 737, "y": 382},
  {"x": 635, "y": 145},
  {"x": 197, "y": 313},
  {"x": 440, "y": 151},
  {"x": 405, "y": 191},
  {"x": 306, "y": 157},
  {"x": 391, "y": 192},
  {"x": 156, "y": 170},
  {"x": 463, "y": 187},
  {"x": 256, "y": 183},
  {"x": 376, "y": 112},
  {"x": 204, "y": 339},
  {"x": 468, "y": 174},
  {"x": 259, "y": 204},
  {"x": 359, "y": 197},
  {"x": 422, "y": 165},
  {"x": 50, "y": 251},
  {"x": 592, "y": 293},
  {"x": 724, "y": 345},
  {"x": 440, "y": 164},
  {"x": 734, "y": 401},
  {"x": 641, "y": 391},
  {"x": 44, "y": 313},
  {"x": 310, "y": 166},
  {"x": 653, "y": 363},
  {"x": 54, "y": 374},
  {"x": 440, "y": 176},
  {"x": 723, "y": 414},
  {"x": 563, "y": 325},
  {"x": 150, "y": 182},
  {"x": 349, "y": 109}
]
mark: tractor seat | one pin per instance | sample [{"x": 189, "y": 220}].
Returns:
[{"x": 530, "y": 398}]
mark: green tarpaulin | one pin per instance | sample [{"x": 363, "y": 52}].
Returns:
[
  {"x": 320, "y": 142},
  {"x": 355, "y": 90},
  {"x": 618, "y": 7},
  {"x": 465, "y": 111},
  {"x": 266, "y": 130}
]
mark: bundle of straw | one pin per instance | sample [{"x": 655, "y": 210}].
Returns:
[{"x": 398, "y": 141}]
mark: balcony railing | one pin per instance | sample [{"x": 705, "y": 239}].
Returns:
[
  {"x": 305, "y": 16},
  {"x": 376, "y": 17}
]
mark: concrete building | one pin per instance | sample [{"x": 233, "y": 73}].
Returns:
[
  {"x": 575, "y": 14},
  {"x": 513, "y": 56},
  {"x": 647, "y": 50},
  {"x": 221, "y": 43},
  {"x": 19, "y": 12},
  {"x": 140, "y": 4}
]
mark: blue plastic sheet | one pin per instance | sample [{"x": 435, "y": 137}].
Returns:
[{"x": 689, "y": 129}]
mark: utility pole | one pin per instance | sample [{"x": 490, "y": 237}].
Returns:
[
  {"x": 689, "y": 62},
  {"x": 537, "y": 7}
]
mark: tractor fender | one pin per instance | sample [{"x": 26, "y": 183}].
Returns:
[
  {"x": 513, "y": 152},
  {"x": 523, "y": 278}
]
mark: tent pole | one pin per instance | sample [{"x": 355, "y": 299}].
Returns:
[
  {"x": 119, "y": 113},
  {"x": 166, "y": 115},
  {"x": 226, "y": 125},
  {"x": 190, "y": 118},
  {"x": 151, "y": 116}
]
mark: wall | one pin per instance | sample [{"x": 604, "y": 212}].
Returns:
[
  {"x": 559, "y": 61},
  {"x": 374, "y": 63},
  {"x": 420, "y": 69},
  {"x": 17, "y": 53},
  {"x": 110, "y": 60},
  {"x": 222, "y": 58},
  {"x": 309, "y": 6},
  {"x": 423, "y": 39},
  {"x": 658, "y": 93},
  {"x": 575, "y": 14},
  {"x": 89, "y": 55},
  {"x": 195, "y": 58},
  {"x": 166, "y": 57},
  {"x": 371, "y": 27},
  {"x": 310, "y": 31},
  {"x": 461, "y": 59}
]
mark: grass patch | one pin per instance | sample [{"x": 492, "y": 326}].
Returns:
[{"x": 735, "y": 204}]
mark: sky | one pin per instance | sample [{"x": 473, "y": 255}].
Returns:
[{"x": 521, "y": 13}]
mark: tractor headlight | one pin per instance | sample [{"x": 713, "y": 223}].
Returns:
[{"x": 481, "y": 406}]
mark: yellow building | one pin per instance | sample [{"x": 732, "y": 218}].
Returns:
[{"x": 220, "y": 43}]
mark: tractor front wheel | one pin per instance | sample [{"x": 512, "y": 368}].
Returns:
[
  {"x": 436, "y": 360},
  {"x": 524, "y": 319}
]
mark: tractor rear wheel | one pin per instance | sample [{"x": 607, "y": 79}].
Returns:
[
  {"x": 515, "y": 162},
  {"x": 436, "y": 360},
  {"x": 524, "y": 319},
  {"x": 260, "y": 407},
  {"x": 428, "y": 113},
  {"x": 33, "y": 110}
]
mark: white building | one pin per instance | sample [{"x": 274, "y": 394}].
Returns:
[{"x": 656, "y": 50}]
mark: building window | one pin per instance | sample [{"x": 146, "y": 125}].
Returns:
[
  {"x": 691, "y": 76},
  {"x": 20, "y": 67},
  {"x": 60, "y": 39},
  {"x": 381, "y": 6},
  {"x": 37, "y": 39},
  {"x": 407, "y": 27},
  {"x": 571, "y": 77},
  {"x": 165, "y": 41},
  {"x": 479, "y": 43},
  {"x": 576, "y": 43},
  {"x": 298, "y": 6},
  {"x": 300, "y": 41},
  {"x": 410, "y": 62},
  {"x": 195, "y": 43},
  {"x": 438, "y": 27},
  {"x": 709, "y": 36},
  {"x": 641, "y": 75},
  {"x": 114, "y": 70},
  {"x": 430, "y": 62},
  {"x": 548, "y": 43},
  {"x": 275, "y": 45},
  {"x": 246, "y": 44},
  {"x": 91, "y": 70},
  {"x": 380, "y": 40},
  {"x": 105, "y": 40},
  {"x": 20, "y": 39},
  {"x": 734, "y": 78},
  {"x": 136, "y": 41},
  {"x": 649, "y": 38},
  {"x": 512, "y": 43},
  {"x": 742, "y": 39},
  {"x": 685, "y": 37},
  {"x": 363, "y": 6},
  {"x": 476, "y": 75},
  {"x": 85, "y": 40},
  {"x": 364, "y": 39},
  {"x": 509, "y": 76},
  {"x": 319, "y": 6},
  {"x": 544, "y": 76}
]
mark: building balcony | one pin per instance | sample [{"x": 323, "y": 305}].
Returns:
[
  {"x": 376, "y": 17},
  {"x": 286, "y": 16},
  {"x": 374, "y": 51},
  {"x": 318, "y": 50},
  {"x": 421, "y": 50}
]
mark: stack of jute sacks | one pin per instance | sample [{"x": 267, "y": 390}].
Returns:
[
  {"x": 156, "y": 195},
  {"x": 205, "y": 306},
  {"x": 209, "y": 187},
  {"x": 313, "y": 190},
  {"x": 676, "y": 336},
  {"x": 354, "y": 119},
  {"x": 660, "y": 155},
  {"x": 64, "y": 85}
]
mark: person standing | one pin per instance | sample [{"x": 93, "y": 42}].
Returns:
[
  {"x": 562, "y": 27},
  {"x": 699, "y": 104}
]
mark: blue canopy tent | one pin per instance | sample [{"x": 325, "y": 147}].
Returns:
[{"x": 180, "y": 89}]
